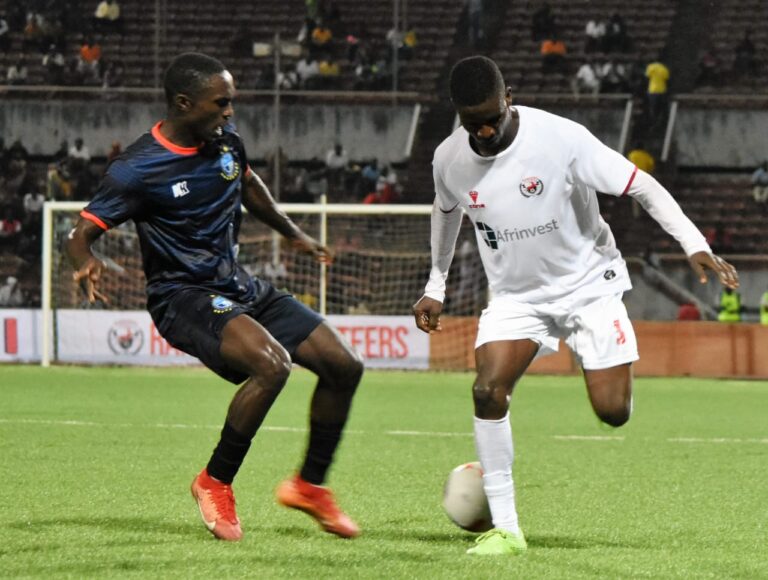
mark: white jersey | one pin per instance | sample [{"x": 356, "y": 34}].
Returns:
[{"x": 535, "y": 209}]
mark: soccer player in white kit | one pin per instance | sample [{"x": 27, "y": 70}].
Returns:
[{"x": 527, "y": 180}]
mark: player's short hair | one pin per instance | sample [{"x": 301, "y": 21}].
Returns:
[
  {"x": 189, "y": 73},
  {"x": 474, "y": 80}
]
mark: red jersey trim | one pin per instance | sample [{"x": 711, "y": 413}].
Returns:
[
  {"x": 631, "y": 179},
  {"x": 172, "y": 147},
  {"x": 92, "y": 218}
]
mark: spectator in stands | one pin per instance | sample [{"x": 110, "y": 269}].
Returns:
[
  {"x": 3, "y": 156},
  {"x": 59, "y": 181},
  {"x": 10, "y": 229},
  {"x": 587, "y": 79},
  {"x": 387, "y": 183},
  {"x": 616, "y": 39},
  {"x": 553, "y": 53},
  {"x": 760, "y": 185},
  {"x": 657, "y": 74},
  {"x": 17, "y": 179},
  {"x": 642, "y": 159},
  {"x": 336, "y": 162},
  {"x": 729, "y": 309},
  {"x": 475, "y": 23},
  {"x": 312, "y": 9},
  {"x": 710, "y": 73},
  {"x": 543, "y": 23},
  {"x": 764, "y": 309},
  {"x": 34, "y": 34},
  {"x": 289, "y": 80},
  {"x": 308, "y": 71},
  {"x": 688, "y": 311},
  {"x": 369, "y": 176},
  {"x": 745, "y": 62},
  {"x": 320, "y": 44},
  {"x": 79, "y": 156},
  {"x": 11, "y": 295},
  {"x": 614, "y": 77},
  {"x": 595, "y": 32},
  {"x": 329, "y": 73},
  {"x": 90, "y": 55},
  {"x": 17, "y": 72},
  {"x": 106, "y": 18},
  {"x": 5, "y": 36},
  {"x": 53, "y": 63}
]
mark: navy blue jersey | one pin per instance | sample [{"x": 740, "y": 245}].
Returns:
[{"x": 185, "y": 202}]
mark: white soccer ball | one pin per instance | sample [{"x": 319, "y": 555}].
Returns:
[{"x": 464, "y": 499}]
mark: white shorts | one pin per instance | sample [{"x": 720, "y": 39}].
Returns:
[{"x": 597, "y": 330}]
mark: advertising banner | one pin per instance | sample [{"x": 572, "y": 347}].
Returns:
[
  {"x": 130, "y": 338},
  {"x": 19, "y": 335}
]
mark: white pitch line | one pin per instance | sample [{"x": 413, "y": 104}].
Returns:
[
  {"x": 428, "y": 434},
  {"x": 715, "y": 440},
  {"x": 449, "y": 434},
  {"x": 588, "y": 437}
]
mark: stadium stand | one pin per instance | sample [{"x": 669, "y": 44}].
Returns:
[{"x": 719, "y": 202}]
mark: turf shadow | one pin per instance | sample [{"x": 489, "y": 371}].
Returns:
[{"x": 574, "y": 543}]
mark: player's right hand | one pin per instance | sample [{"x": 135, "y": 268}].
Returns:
[
  {"x": 427, "y": 313},
  {"x": 89, "y": 278}
]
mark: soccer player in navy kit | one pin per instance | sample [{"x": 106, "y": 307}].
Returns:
[{"x": 183, "y": 184}]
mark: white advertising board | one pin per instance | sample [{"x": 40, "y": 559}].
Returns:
[
  {"x": 19, "y": 335},
  {"x": 130, "y": 337}
]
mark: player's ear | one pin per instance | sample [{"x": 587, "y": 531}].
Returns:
[
  {"x": 183, "y": 102},
  {"x": 508, "y": 96}
]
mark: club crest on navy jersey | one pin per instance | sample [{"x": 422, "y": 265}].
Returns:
[
  {"x": 230, "y": 168},
  {"x": 531, "y": 187},
  {"x": 221, "y": 305}
]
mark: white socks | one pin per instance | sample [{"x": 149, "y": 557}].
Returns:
[{"x": 493, "y": 441}]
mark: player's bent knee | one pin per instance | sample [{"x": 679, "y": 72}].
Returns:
[
  {"x": 615, "y": 415},
  {"x": 270, "y": 367},
  {"x": 490, "y": 399}
]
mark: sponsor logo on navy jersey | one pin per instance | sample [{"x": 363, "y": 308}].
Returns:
[
  {"x": 230, "y": 168},
  {"x": 180, "y": 189},
  {"x": 531, "y": 187},
  {"x": 220, "y": 304}
]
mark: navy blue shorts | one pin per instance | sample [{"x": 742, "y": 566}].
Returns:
[{"x": 194, "y": 319}]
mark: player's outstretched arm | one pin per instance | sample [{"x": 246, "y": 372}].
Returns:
[
  {"x": 725, "y": 272},
  {"x": 427, "y": 313},
  {"x": 259, "y": 201},
  {"x": 88, "y": 268},
  {"x": 660, "y": 204}
]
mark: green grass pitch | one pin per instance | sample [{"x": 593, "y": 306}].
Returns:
[{"x": 96, "y": 466}]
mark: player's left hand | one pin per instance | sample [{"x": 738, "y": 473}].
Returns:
[
  {"x": 726, "y": 273},
  {"x": 310, "y": 246}
]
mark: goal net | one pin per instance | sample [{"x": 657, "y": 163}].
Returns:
[{"x": 381, "y": 264}]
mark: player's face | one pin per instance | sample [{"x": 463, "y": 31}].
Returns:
[
  {"x": 488, "y": 124},
  {"x": 212, "y": 108}
]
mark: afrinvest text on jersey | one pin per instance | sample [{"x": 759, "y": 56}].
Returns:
[{"x": 492, "y": 237}]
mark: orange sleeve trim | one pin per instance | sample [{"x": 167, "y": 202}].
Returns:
[
  {"x": 172, "y": 147},
  {"x": 92, "y": 218},
  {"x": 631, "y": 179}
]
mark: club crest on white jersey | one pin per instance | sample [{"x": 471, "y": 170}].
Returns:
[{"x": 531, "y": 187}]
